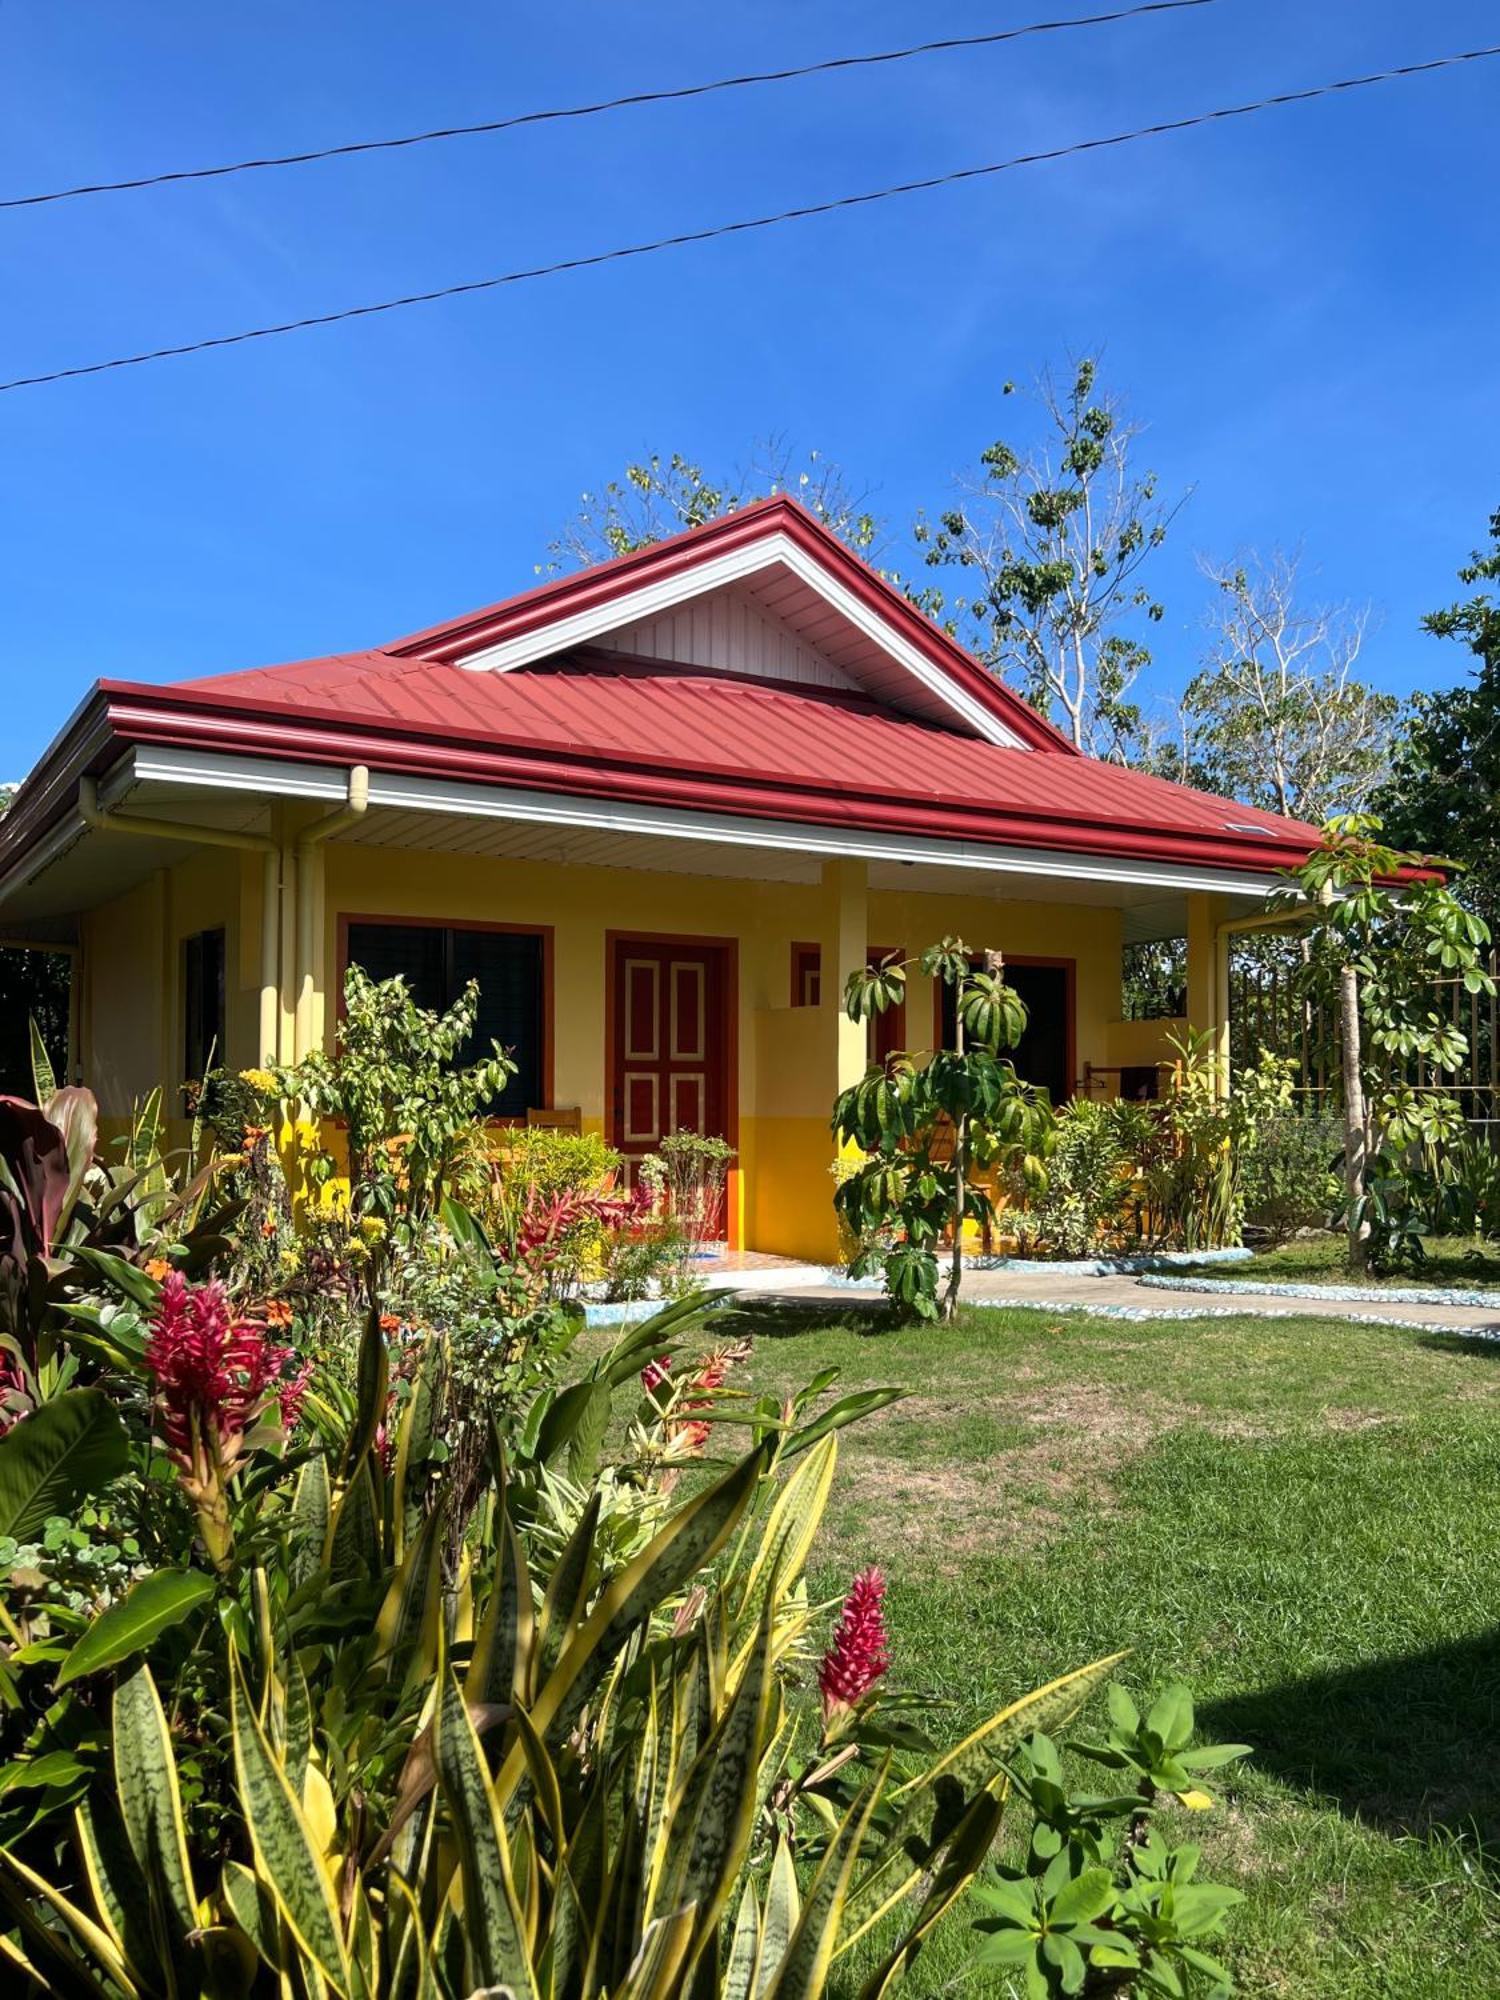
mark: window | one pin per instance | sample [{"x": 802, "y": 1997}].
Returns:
[
  {"x": 885, "y": 1033},
  {"x": 202, "y": 1002},
  {"x": 1043, "y": 1054},
  {"x": 437, "y": 961}
]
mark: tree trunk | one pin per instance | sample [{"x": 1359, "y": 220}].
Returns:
[
  {"x": 1355, "y": 1135},
  {"x": 960, "y": 1174},
  {"x": 960, "y": 1177}
]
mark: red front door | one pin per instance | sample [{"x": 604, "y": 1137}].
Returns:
[{"x": 670, "y": 1048}]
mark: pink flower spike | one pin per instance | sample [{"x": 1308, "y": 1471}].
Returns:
[
  {"x": 860, "y": 1652},
  {"x": 290, "y": 1396},
  {"x": 656, "y": 1374}
]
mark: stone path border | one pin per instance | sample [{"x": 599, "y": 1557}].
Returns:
[{"x": 1396, "y": 1295}]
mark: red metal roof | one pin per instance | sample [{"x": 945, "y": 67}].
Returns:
[
  {"x": 634, "y": 729},
  {"x": 596, "y": 725}
]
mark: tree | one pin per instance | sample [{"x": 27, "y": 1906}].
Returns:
[
  {"x": 1277, "y": 717},
  {"x": 1055, "y": 539},
  {"x": 1444, "y": 789},
  {"x": 1379, "y": 936},
  {"x": 657, "y": 497},
  {"x": 926, "y": 1126}
]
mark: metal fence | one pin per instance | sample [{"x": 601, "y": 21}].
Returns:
[{"x": 1267, "y": 1011}]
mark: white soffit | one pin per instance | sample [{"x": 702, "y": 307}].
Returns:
[
  {"x": 209, "y": 771},
  {"x": 802, "y": 596}
]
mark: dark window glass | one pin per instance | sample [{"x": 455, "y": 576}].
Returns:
[
  {"x": 1041, "y": 1056},
  {"x": 203, "y": 1002},
  {"x": 438, "y": 961}
]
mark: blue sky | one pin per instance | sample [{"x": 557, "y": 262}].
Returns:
[{"x": 1301, "y": 307}]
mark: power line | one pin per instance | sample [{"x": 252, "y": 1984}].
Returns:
[
  {"x": 631, "y": 102},
  {"x": 709, "y": 235}
]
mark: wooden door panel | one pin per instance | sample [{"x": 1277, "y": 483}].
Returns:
[{"x": 669, "y": 1058}]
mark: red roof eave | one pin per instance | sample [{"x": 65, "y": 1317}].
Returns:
[{"x": 167, "y": 718}]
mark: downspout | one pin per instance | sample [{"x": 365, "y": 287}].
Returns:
[
  {"x": 106, "y": 820},
  {"x": 310, "y": 901}
]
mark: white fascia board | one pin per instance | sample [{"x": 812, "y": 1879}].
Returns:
[
  {"x": 269, "y": 778},
  {"x": 715, "y": 574}
]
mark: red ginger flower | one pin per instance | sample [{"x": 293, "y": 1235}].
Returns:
[
  {"x": 860, "y": 1652},
  {"x": 290, "y": 1396},
  {"x": 214, "y": 1377},
  {"x": 656, "y": 1374}
]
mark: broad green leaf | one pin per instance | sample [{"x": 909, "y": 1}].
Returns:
[
  {"x": 372, "y": 1382},
  {"x": 567, "y": 1591},
  {"x": 711, "y": 1828},
  {"x": 311, "y": 1504},
  {"x": 92, "y": 1940},
  {"x": 684, "y": 1545},
  {"x": 151, "y": 1808},
  {"x": 413, "y": 1437},
  {"x": 287, "y": 1855},
  {"x": 930, "y": 1806},
  {"x": 739, "y": 1972},
  {"x": 975, "y": 1835},
  {"x": 62, "y": 1455},
  {"x": 782, "y": 1912},
  {"x": 149, "y": 1607},
  {"x": 43, "y": 1076},
  {"x": 493, "y": 1922},
  {"x": 804, "y": 1968},
  {"x": 354, "y": 1534},
  {"x": 406, "y": 1632}
]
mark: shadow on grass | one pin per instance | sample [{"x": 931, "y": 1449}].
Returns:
[
  {"x": 766, "y": 1317},
  {"x": 1408, "y": 1744},
  {"x": 1480, "y": 1346}
]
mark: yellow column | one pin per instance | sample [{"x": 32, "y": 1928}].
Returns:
[
  {"x": 1208, "y": 973},
  {"x": 843, "y": 939}
]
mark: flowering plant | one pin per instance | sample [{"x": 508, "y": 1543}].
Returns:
[{"x": 215, "y": 1377}]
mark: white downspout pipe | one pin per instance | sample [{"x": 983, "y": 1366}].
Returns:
[{"x": 310, "y": 901}]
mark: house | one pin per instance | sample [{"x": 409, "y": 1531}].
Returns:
[{"x": 660, "y": 809}]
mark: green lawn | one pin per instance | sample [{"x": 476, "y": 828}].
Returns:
[
  {"x": 1296, "y": 1516},
  {"x": 1322, "y": 1260}
]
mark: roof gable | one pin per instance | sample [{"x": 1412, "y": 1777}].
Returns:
[{"x": 768, "y": 593}]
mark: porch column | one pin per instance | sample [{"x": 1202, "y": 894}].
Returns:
[
  {"x": 1208, "y": 972},
  {"x": 843, "y": 940}
]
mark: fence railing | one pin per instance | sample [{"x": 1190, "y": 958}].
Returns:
[{"x": 1266, "y": 1010}]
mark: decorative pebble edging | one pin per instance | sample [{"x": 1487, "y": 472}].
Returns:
[
  {"x": 1396, "y": 1295},
  {"x": 1105, "y": 1310},
  {"x": 1111, "y": 1267}
]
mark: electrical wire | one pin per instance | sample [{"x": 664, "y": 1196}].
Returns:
[
  {"x": 632, "y": 102},
  {"x": 724, "y": 229}
]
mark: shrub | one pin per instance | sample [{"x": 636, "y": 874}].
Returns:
[
  {"x": 1289, "y": 1175},
  {"x": 1088, "y": 1183},
  {"x": 549, "y": 1203}
]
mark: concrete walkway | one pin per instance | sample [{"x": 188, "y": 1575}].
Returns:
[{"x": 1128, "y": 1298}]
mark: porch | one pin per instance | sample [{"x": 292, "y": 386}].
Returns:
[{"x": 649, "y": 976}]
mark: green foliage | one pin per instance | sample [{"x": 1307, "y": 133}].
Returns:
[
  {"x": 925, "y": 1126},
  {"x": 1443, "y": 796},
  {"x": 546, "y": 1761},
  {"x": 660, "y": 496},
  {"x": 1381, "y": 927},
  {"x": 1288, "y": 1174},
  {"x": 396, "y": 1083},
  {"x": 1102, "y": 1901},
  {"x": 1052, "y": 543},
  {"x": 1089, "y": 1179}
]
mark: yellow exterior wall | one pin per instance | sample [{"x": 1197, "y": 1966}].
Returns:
[
  {"x": 131, "y": 1030},
  {"x": 789, "y": 1060}
]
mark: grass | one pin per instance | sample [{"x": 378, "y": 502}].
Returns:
[
  {"x": 1323, "y": 1260},
  {"x": 1295, "y": 1516}
]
